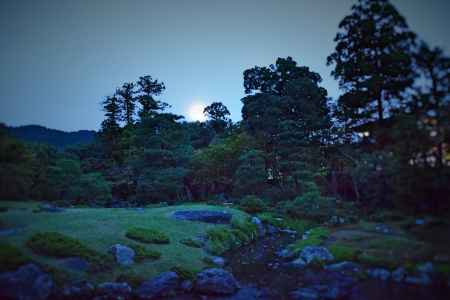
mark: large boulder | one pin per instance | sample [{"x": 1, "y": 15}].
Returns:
[
  {"x": 28, "y": 282},
  {"x": 161, "y": 286},
  {"x": 207, "y": 216},
  {"x": 216, "y": 281},
  {"x": 124, "y": 255},
  {"x": 113, "y": 291},
  {"x": 314, "y": 253}
]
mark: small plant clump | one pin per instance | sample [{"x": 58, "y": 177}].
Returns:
[
  {"x": 59, "y": 245},
  {"x": 146, "y": 235},
  {"x": 184, "y": 273},
  {"x": 344, "y": 252},
  {"x": 142, "y": 253},
  {"x": 315, "y": 237},
  {"x": 223, "y": 239},
  {"x": 193, "y": 243},
  {"x": 11, "y": 258}
]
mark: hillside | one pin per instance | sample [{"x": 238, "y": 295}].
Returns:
[{"x": 58, "y": 138}]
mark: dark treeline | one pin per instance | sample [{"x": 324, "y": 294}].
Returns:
[{"x": 382, "y": 143}]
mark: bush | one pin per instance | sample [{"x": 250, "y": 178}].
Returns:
[
  {"x": 145, "y": 235},
  {"x": 252, "y": 204},
  {"x": 311, "y": 205},
  {"x": 143, "y": 253},
  {"x": 378, "y": 261},
  {"x": 11, "y": 258},
  {"x": 59, "y": 245}
]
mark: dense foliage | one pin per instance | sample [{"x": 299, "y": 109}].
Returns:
[{"x": 384, "y": 142}]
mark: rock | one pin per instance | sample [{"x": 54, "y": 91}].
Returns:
[
  {"x": 399, "y": 274},
  {"x": 50, "y": 208},
  {"x": 345, "y": 267},
  {"x": 207, "y": 216},
  {"x": 28, "y": 282},
  {"x": 425, "y": 267},
  {"x": 186, "y": 285},
  {"x": 314, "y": 253},
  {"x": 285, "y": 254},
  {"x": 124, "y": 255},
  {"x": 271, "y": 230},
  {"x": 259, "y": 225},
  {"x": 421, "y": 279},
  {"x": 218, "y": 261},
  {"x": 383, "y": 228},
  {"x": 298, "y": 263},
  {"x": 216, "y": 281},
  {"x": 78, "y": 290},
  {"x": 75, "y": 263},
  {"x": 304, "y": 294},
  {"x": 289, "y": 231},
  {"x": 379, "y": 273},
  {"x": 420, "y": 222},
  {"x": 160, "y": 286},
  {"x": 113, "y": 291}
]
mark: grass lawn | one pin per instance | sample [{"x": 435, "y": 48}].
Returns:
[{"x": 100, "y": 228}]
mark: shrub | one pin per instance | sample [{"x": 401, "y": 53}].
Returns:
[
  {"x": 11, "y": 258},
  {"x": 378, "y": 261},
  {"x": 143, "y": 253},
  {"x": 252, "y": 204},
  {"x": 192, "y": 243},
  {"x": 59, "y": 245},
  {"x": 311, "y": 205},
  {"x": 146, "y": 235}
]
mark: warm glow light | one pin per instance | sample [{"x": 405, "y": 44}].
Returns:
[{"x": 195, "y": 112}]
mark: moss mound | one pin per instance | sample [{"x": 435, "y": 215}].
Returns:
[
  {"x": 146, "y": 235},
  {"x": 58, "y": 245}
]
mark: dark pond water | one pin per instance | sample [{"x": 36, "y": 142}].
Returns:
[{"x": 265, "y": 276}]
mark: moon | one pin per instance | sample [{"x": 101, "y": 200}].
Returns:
[{"x": 195, "y": 112}]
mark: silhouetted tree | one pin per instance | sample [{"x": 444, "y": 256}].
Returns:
[
  {"x": 217, "y": 114},
  {"x": 148, "y": 89},
  {"x": 127, "y": 102},
  {"x": 373, "y": 61}
]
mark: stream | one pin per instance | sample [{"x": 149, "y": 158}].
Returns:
[{"x": 263, "y": 275}]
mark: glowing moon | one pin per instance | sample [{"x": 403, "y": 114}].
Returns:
[{"x": 195, "y": 112}]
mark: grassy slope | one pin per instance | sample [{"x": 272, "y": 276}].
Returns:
[{"x": 100, "y": 228}]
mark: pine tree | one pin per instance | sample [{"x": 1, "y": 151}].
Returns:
[
  {"x": 148, "y": 89},
  {"x": 373, "y": 61},
  {"x": 127, "y": 102}
]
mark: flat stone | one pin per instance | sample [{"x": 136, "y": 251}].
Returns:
[
  {"x": 218, "y": 261},
  {"x": 50, "y": 208},
  {"x": 345, "y": 267},
  {"x": 207, "y": 216}
]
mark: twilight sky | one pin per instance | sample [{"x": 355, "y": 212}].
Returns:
[{"x": 60, "y": 58}]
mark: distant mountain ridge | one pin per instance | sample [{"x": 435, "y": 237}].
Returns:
[{"x": 58, "y": 138}]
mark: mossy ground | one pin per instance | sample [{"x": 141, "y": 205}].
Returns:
[{"x": 100, "y": 228}]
